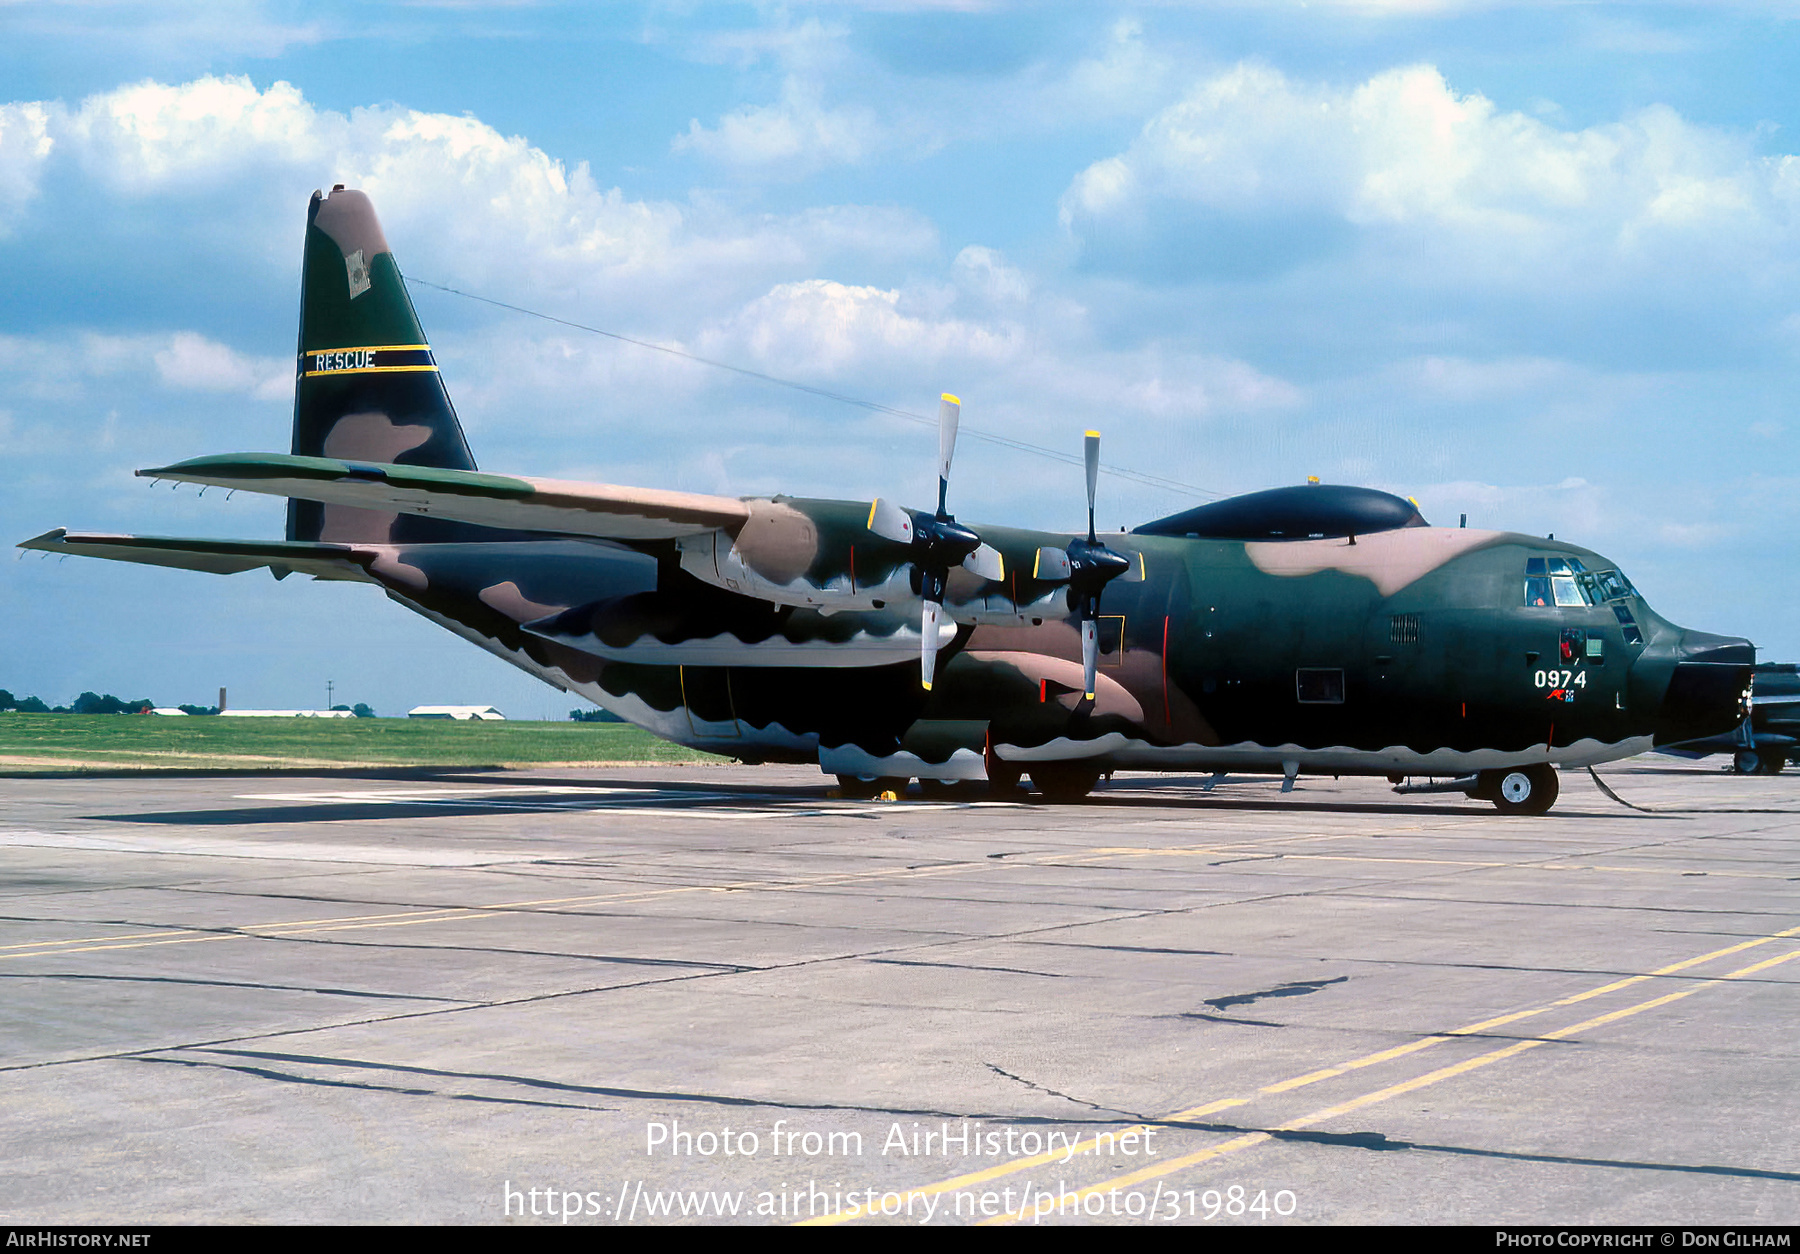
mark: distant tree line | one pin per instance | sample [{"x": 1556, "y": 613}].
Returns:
[
  {"x": 595, "y": 716},
  {"x": 86, "y": 703},
  {"x": 92, "y": 703}
]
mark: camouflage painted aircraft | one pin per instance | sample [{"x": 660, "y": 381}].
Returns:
[{"x": 1316, "y": 629}]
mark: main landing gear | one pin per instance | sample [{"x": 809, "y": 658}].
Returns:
[
  {"x": 1058, "y": 782},
  {"x": 1519, "y": 790},
  {"x": 1064, "y": 781}
]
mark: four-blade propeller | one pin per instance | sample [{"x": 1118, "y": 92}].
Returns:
[
  {"x": 1089, "y": 566},
  {"x": 938, "y": 542}
]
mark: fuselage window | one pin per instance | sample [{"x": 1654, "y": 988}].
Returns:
[
  {"x": 1628, "y": 624},
  {"x": 1315, "y": 685}
]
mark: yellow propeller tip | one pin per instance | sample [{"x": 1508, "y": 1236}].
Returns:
[
  {"x": 954, "y": 400},
  {"x": 1093, "y": 435}
]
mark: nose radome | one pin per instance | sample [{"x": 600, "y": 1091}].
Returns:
[
  {"x": 1704, "y": 647},
  {"x": 1709, "y": 687}
]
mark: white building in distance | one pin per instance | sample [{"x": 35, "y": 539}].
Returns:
[
  {"x": 455, "y": 711},
  {"x": 284, "y": 714}
]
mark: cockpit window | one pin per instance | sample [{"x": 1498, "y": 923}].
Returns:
[
  {"x": 1564, "y": 581},
  {"x": 1613, "y": 585},
  {"x": 1557, "y": 581}
]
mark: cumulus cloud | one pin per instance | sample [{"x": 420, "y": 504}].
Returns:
[
  {"x": 460, "y": 200},
  {"x": 1405, "y": 160},
  {"x": 824, "y": 329},
  {"x": 148, "y": 135}
]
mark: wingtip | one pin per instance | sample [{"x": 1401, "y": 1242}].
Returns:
[{"x": 50, "y": 536}]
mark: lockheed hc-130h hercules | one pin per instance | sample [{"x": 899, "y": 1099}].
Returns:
[{"x": 1309, "y": 629}]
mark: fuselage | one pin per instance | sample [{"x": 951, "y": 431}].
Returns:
[{"x": 1407, "y": 651}]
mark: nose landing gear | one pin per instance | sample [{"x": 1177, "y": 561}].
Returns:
[
  {"x": 1520, "y": 790},
  {"x": 1758, "y": 761}
]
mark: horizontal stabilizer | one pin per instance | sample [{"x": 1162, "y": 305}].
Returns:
[
  {"x": 215, "y": 557},
  {"x": 555, "y": 505}
]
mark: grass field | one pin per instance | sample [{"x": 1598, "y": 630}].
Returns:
[{"x": 61, "y": 742}]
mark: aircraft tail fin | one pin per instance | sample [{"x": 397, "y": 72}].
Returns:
[{"x": 366, "y": 387}]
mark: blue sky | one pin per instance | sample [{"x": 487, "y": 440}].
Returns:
[{"x": 1531, "y": 262}]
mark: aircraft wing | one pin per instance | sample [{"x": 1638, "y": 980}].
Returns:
[
  {"x": 584, "y": 509},
  {"x": 216, "y": 557}
]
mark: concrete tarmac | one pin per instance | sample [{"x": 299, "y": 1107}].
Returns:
[{"x": 683, "y": 994}]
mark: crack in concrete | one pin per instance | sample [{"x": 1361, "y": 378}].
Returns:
[{"x": 1039, "y": 1088}]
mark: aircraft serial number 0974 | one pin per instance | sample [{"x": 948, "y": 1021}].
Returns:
[
  {"x": 888, "y": 644},
  {"x": 1560, "y": 679}
]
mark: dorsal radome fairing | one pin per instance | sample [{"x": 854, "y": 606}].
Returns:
[
  {"x": 1312, "y": 512},
  {"x": 366, "y": 385}
]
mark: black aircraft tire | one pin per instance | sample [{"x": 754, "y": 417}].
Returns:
[
  {"x": 1525, "y": 789},
  {"x": 1064, "y": 782},
  {"x": 1003, "y": 776},
  {"x": 1773, "y": 760},
  {"x": 1746, "y": 762}
]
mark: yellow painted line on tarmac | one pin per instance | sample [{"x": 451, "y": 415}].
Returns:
[
  {"x": 1012, "y": 1167},
  {"x": 459, "y": 914},
  {"x": 1467, "y": 1065},
  {"x": 89, "y": 940}
]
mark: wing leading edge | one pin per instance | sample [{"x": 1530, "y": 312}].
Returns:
[
  {"x": 214, "y": 557},
  {"x": 527, "y": 504}
]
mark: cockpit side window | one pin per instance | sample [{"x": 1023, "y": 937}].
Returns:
[
  {"x": 1628, "y": 624},
  {"x": 1613, "y": 585}
]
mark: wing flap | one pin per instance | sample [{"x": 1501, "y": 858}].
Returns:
[
  {"x": 528, "y": 504},
  {"x": 214, "y": 557}
]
